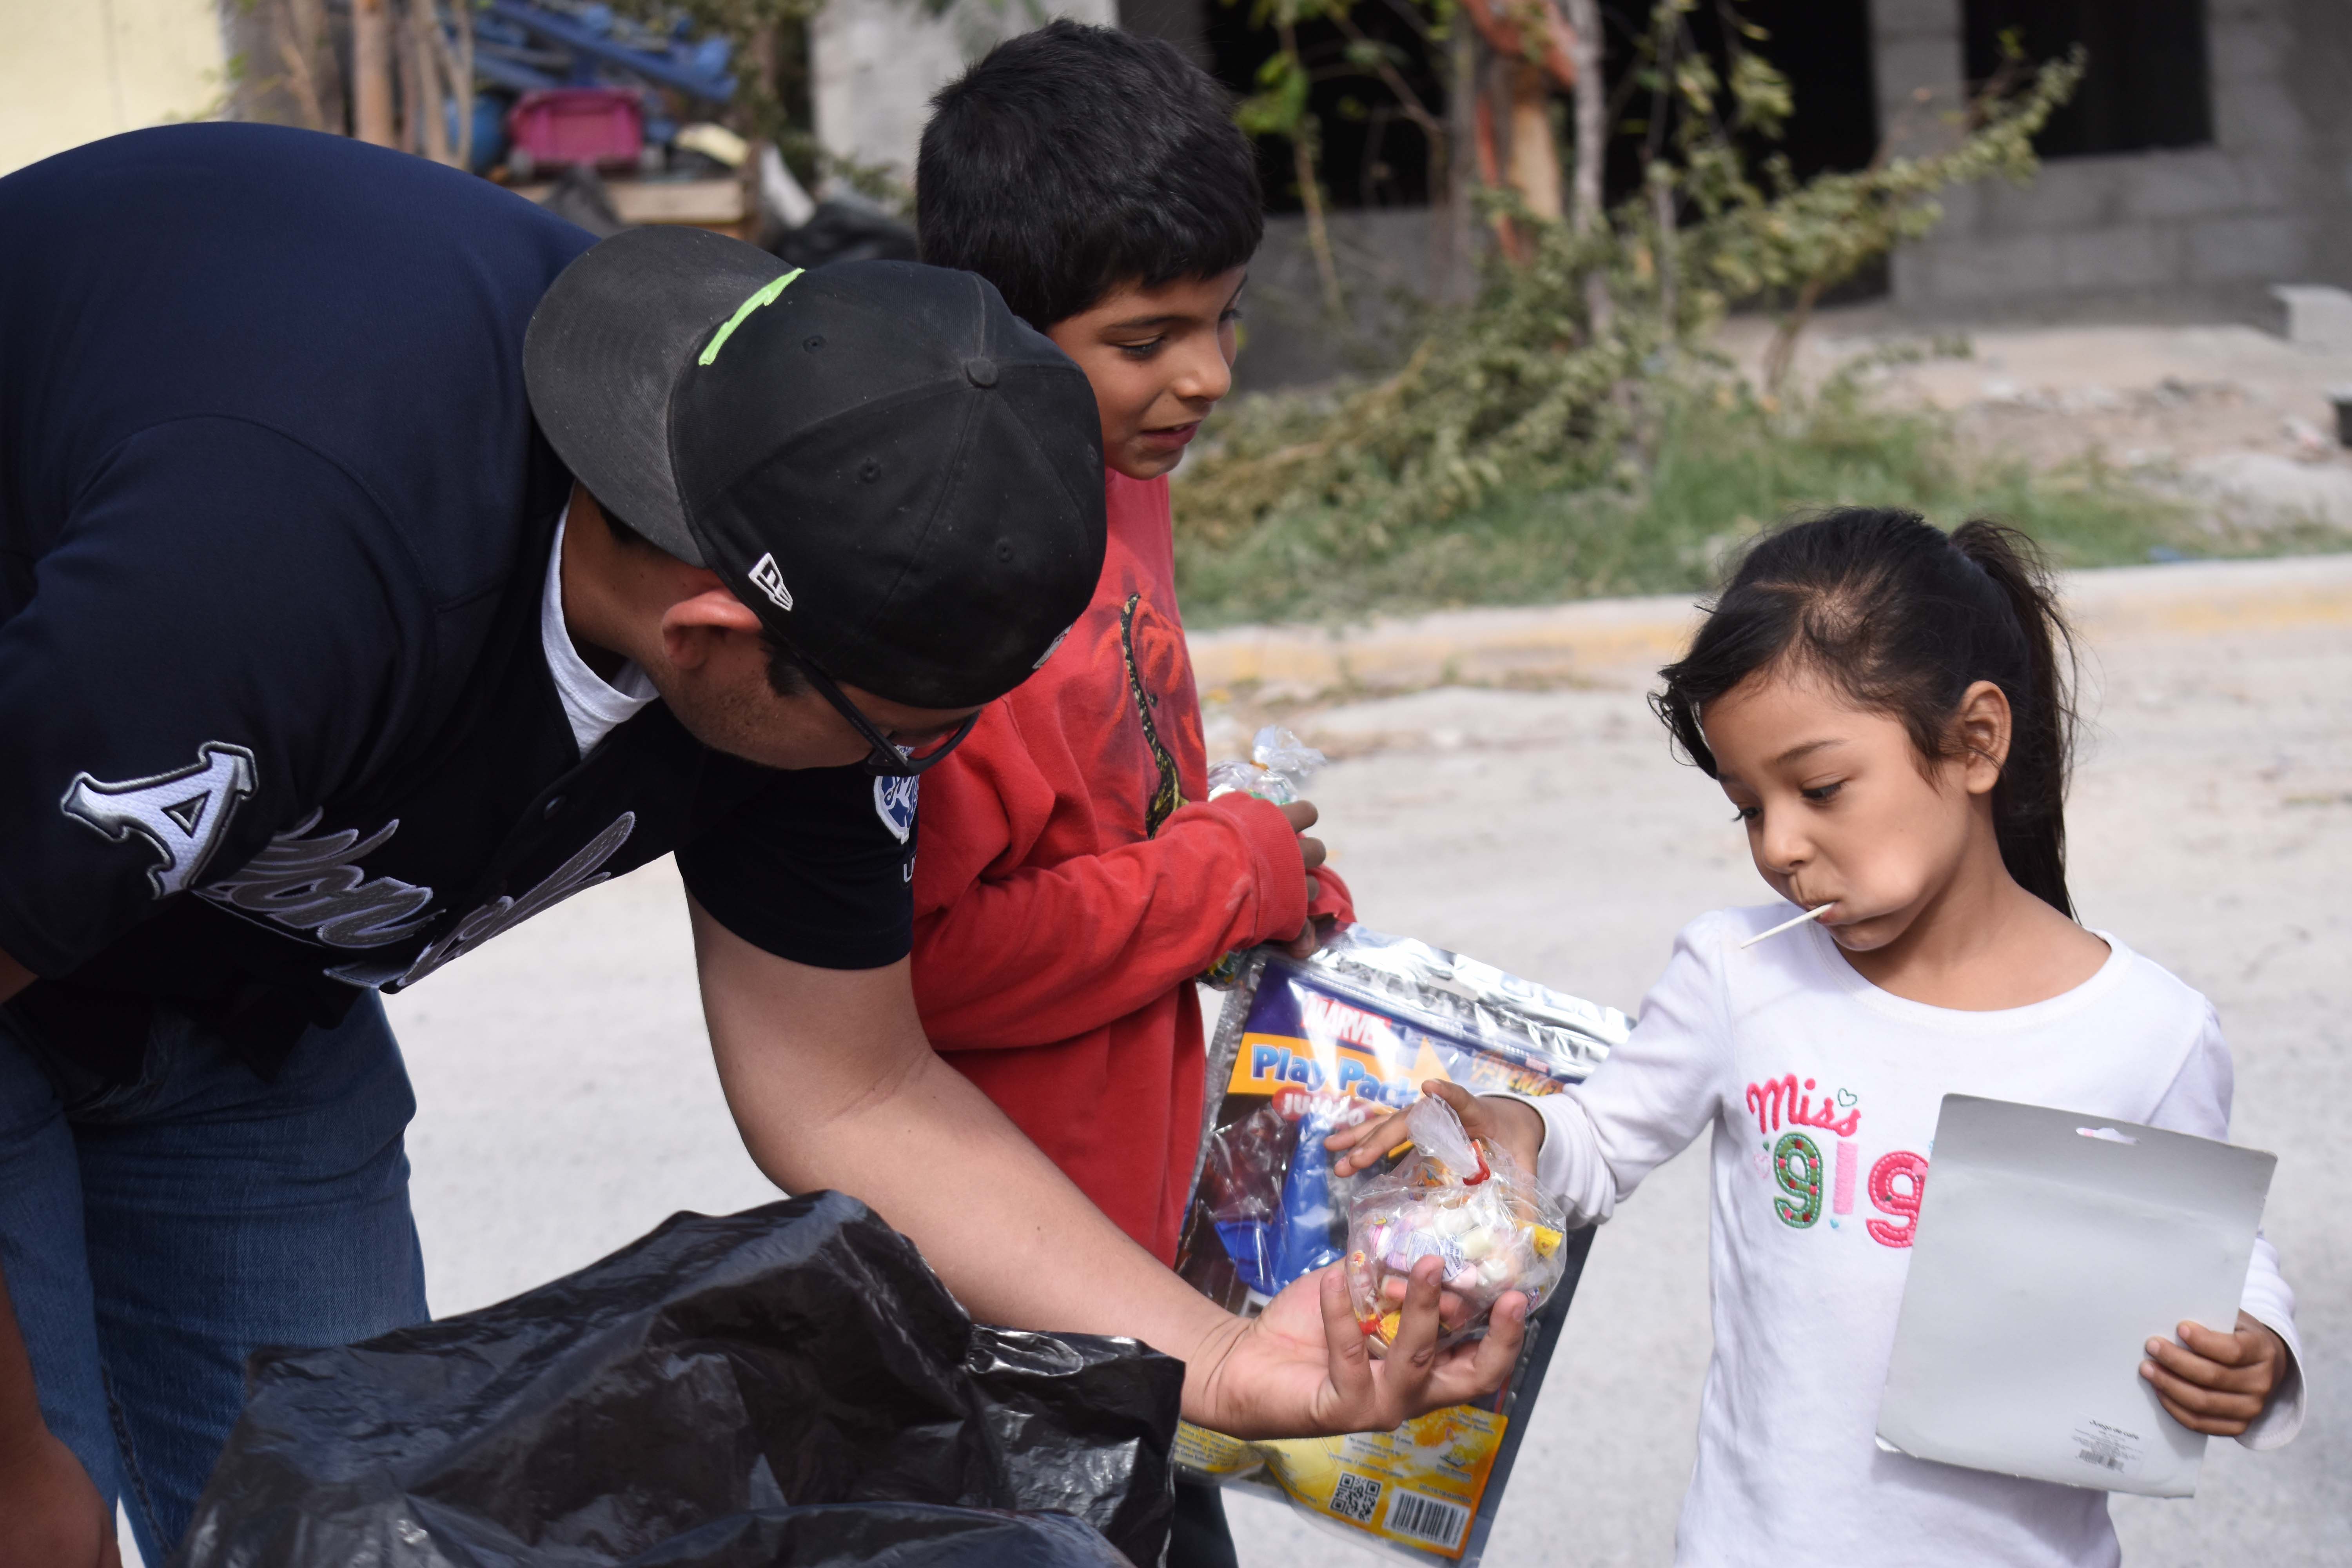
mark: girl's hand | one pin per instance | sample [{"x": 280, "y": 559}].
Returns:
[
  {"x": 1510, "y": 1125},
  {"x": 2216, "y": 1383}
]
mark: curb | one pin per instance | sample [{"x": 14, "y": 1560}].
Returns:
[{"x": 1603, "y": 641}]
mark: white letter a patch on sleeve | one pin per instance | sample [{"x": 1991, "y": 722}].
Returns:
[{"x": 183, "y": 815}]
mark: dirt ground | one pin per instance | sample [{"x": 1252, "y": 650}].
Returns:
[
  {"x": 2228, "y": 417},
  {"x": 569, "y": 1102}
]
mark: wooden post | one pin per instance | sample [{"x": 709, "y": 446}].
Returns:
[
  {"x": 295, "y": 30},
  {"x": 1515, "y": 133},
  {"x": 430, "y": 134},
  {"x": 372, "y": 117},
  {"x": 1535, "y": 155}
]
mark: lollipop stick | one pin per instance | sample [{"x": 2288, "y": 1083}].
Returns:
[{"x": 1814, "y": 914}]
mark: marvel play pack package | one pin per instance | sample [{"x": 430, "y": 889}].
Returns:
[{"x": 1303, "y": 1049}]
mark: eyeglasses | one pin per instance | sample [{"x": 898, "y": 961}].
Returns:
[{"x": 887, "y": 758}]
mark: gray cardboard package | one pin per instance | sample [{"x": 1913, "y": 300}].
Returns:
[{"x": 2052, "y": 1246}]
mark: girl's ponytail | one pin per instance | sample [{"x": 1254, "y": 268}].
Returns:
[
  {"x": 2029, "y": 804},
  {"x": 1903, "y": 620}
]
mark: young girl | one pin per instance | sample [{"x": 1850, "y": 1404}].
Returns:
[{"x": 1885, "y": 708}]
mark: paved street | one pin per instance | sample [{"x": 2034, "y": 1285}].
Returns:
[{"x": 569, "y": 1102}]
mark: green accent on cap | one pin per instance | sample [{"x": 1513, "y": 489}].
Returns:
[{"x": 767, "y": 292}]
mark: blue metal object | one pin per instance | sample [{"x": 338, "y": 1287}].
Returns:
[
  {"x": 490, "y": 129},
  {"x": 698, "y": 71},
  {"x": 502, "y": 72}
]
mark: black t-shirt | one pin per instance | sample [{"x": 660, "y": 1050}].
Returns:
[{"x": 276, "y": 721}]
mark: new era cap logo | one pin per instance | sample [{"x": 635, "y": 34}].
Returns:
[{"x": 769, "y": 578}]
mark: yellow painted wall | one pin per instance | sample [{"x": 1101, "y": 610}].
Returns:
[{"x": 74, "y": 70}]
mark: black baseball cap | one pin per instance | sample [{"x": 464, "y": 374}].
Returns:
[{"x": 898, "y": 475}]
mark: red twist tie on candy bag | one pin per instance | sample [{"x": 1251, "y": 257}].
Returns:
[{"x": 1485, "y": 1221}]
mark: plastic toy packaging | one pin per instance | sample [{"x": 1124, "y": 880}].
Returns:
[
  {"x": 1277, "y": 1215},
  {"x": 1466, "y": 1204},
  {"x": 1279, "y": 768},
  {"x": 1241, "y": 1191},
  {"x": 1306, "y": 1048}
]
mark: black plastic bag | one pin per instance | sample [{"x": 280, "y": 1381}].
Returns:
[
  {"x": 902, "y": 1535},
  {"x": 773, "y": 1387},
  {"x": 844, "y": 228},
  {"x": 581, "y": 196}
]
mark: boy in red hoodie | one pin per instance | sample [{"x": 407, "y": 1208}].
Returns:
[{"x": 1073, "y": 881}]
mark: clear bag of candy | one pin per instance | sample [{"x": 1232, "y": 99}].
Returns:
[
  {"x": 1279, "y": 768},
  {"x": 1470, "y": 1207}
]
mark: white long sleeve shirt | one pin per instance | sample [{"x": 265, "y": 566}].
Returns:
[{"x": 1787, "y": 1038}]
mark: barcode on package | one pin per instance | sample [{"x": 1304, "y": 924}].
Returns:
[
  {"x": 1357, "y": 1498},
  {"x": 2109, "y": 1447},
  {"x": 1426, "y": 1519}
]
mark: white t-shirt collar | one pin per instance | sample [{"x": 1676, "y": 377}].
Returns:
[{"x": 592, "y": 706}]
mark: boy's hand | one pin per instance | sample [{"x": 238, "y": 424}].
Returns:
[
  {"x": 1510, "y": 1125},
  {"x": 2216, "y": 1383},
  {"x": 1310, "y": 937}
]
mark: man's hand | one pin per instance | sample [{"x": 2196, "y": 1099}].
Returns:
[
  {"x": 51, "y": 1516},
  {"x": 1302, "y": 815},
  {"x": 1304, "y": 1365},
  {"x": 2215, "y": 1383},
  {"x": 833, "y": 1085},
  {"x": 1510, "y": 1125}
]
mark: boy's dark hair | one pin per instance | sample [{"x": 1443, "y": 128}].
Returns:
[
  {"x": 1074, "y": 159},
  {"x": 1902, "y": 619}
]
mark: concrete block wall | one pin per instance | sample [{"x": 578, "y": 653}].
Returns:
[
  {"x": 2198, "y": 230},
  {"x": 1387, "y": 259},
  {"x": 874, "y": 65}
]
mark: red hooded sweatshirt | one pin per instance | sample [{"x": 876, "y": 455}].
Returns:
[{"x": 1067, "y": 893}]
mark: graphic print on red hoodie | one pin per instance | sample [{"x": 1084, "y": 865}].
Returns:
[{"x": 1066, "y": 891}]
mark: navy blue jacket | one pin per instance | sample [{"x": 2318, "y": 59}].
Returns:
[{"x": 275, "y": 720}]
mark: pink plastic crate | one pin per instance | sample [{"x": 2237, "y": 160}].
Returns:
[{"x": 567, "y": 125}]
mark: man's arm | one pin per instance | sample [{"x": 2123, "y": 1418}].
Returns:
[
  {"x": 833, "y": 1085},
  {"x": 50, "y": 1512}
]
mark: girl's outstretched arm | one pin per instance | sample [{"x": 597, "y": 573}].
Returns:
[
  {"x": 1497, "y": 1121},
  {"x": 1594, "y": 1142}
]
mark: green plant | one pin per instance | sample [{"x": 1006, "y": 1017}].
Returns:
[
  {"x": 1561, "y": 374},
  {"x": 1726, "y": 463}
]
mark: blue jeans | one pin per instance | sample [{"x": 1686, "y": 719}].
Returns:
[{"x": 154, "y": 1234}]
